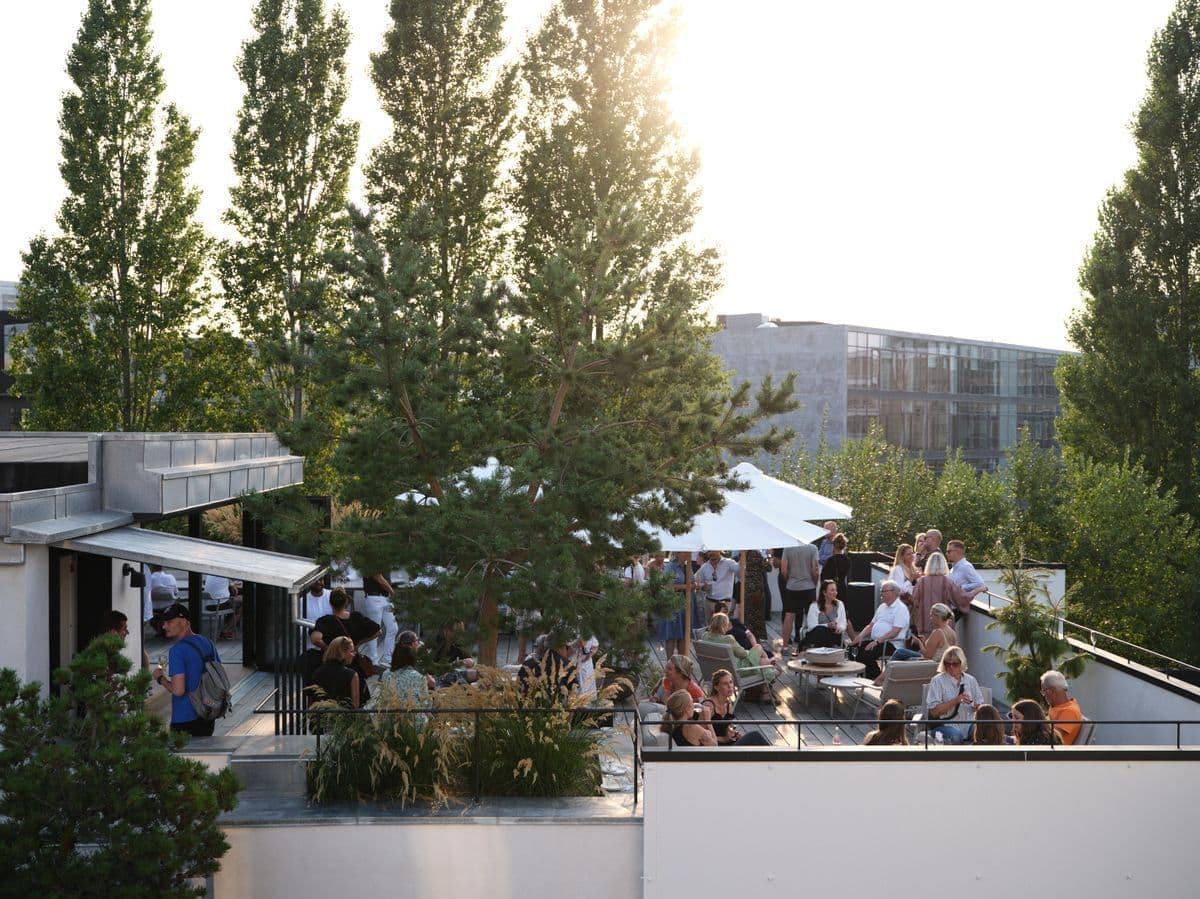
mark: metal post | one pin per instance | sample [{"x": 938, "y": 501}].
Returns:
[{"x": 477, "y": 778}]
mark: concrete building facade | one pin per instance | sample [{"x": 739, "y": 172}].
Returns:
[{"x": 929, "y": 394}]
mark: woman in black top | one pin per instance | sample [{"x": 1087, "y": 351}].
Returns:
[
  {"x": 837, "y": 567},
  {"x": 335, "y": 679},
  {"x": 720, "y": 704}
]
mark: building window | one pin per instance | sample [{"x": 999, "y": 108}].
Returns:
[{"x": 11, "y": 331}]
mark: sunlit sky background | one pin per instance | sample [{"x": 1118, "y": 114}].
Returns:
[{"x": 926, "y": 165}]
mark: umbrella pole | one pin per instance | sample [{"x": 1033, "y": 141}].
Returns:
[
  {"x": 742, "y": 588},
  {"x": 687, "y": 607}
]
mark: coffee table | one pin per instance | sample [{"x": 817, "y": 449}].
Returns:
[{"x": 841, "y": 676}]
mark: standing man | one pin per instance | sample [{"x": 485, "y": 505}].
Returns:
[
  {"x": 963, "y": 572},
  {"x": 225, "y": 595},
  {"x": 316, "y": 601},
  {"x": 826, "y": 549},
  {"x": 716, "y": 579},
  {"x": 890, "y": 625},
  {"x": 933, "y": 544},
  {"x": 185, "y": 667},
  {"x": 118, "y": 623},
  {"x": 801, "y": 569},
  {"x": 377, "y": 605}
]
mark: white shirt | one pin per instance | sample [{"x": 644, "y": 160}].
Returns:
[
  {"x": 814, "y": 616},
  {"x": 635, "y": 573},
  {"x": 943, "y": 688},
  {"x": 888, "y": 617},
  {"x": 897, "y": 575},
  {"x": 964, "y": 574},
  {"x": 162, "y": 581},
  {"x": 719, "y": 580},
  {"x": 216, "y": 587},
  {"x": 316, "y": 606}
]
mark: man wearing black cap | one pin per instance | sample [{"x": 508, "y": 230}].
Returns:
[{"x": 185, "y": 667}]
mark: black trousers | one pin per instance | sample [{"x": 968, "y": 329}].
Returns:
[{"x": 197, "y": 727}]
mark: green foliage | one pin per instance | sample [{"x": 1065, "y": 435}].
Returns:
[
  {"x": 969, "y": 505},
  {"x": 292, "y": 152},
  {"x": 1028, "y": 622},
  {"x": 1131, "y": 557},
  {"x": 892, "y": 494},
  {"x": 111, "y": 301},
  {"x": 93, "y": 801},
  {"x": 1032, "y": 480},
  {"x": 1135, "y": 383},
  {"x": 551, "y": 750},
  {"x": 587, "y": 374}
]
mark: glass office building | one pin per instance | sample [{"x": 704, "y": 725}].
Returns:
[{"x": 928, "y": 394}]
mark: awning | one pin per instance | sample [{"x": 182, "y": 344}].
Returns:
[{"x": 257, "y": 566}]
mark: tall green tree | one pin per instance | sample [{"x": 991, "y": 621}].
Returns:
[
  {"x": 969, "y": 505},
  {"x": 292, "y": 152},
  {"x": 1135, "y": 382},
  {"x": 1131, "y": 557},
  {"x": 589, "y": 379},
  {"x": 1032, "y": 481},
  {"x": 93, "y": 798},
  {"x": 110, "y": 301}
]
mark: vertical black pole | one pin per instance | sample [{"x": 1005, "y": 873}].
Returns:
[
  {"x": 195, "y": 610},
  {"x": 477, "y": 778}
]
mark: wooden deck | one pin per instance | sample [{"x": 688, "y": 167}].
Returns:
[{"x": 252, "y": 687}]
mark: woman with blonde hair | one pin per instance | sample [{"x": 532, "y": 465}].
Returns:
[
  {"x": 953, "y": 697},
  {"x": 718, "y": 632},
  {"x": 718, "y": 708},
  {"x": 681, "y": 709},
  {"x": 335, "y": 679},
  {"x": 904, "y": 570},
  {"x": 939, "y": 639},
  {"x": 935, "y": 586}
]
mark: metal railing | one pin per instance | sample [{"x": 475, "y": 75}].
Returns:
[{"x": 1133, "y": 653}]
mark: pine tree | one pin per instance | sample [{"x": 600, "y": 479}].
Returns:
[
  {"x": 1135, "y": 382},
  {"x": 587, "y": 374},
  {"x": 93, "y": 799},
  {"x": 110, "y": 301},
  {"x": 292, "y": 152}
]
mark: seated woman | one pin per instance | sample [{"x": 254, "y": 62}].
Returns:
[
  {"x": 826, "y": 622},
  {"x": 718, "y": 632},
  {"x": 677, "y": 675},
  {"x": 953, "y": 697},
  {"x": 335, "y": 679},
  {"x": 1030, "y": 727},
  {"x": 743, "y": 634},
  {"x": 934, "y": 644},
  {"x": 681, "y": 709},
  {"x": 891, "y": 729},
  {"x": 719, "y": 705},
  {"x": 404, "y": 685},
  {"x": 989, "y": 727}
]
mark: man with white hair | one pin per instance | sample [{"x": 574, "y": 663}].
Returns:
[
  {"x": 1062, "y": 706},
  {"x": 890, "y": 625}
]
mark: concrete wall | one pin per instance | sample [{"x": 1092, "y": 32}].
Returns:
[
  {"x": 985, "y": 828},
  {"x": 424, "y": 858},
  {"x": 1108, "y": 689},
  {"x": 816, "y": 353},
  {"x": 25, "y": 638}
]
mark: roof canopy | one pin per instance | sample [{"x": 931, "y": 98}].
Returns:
[{"x": 258, "y": 566}]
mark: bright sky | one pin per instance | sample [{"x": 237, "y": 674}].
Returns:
[{"x": 930, "y": 165}]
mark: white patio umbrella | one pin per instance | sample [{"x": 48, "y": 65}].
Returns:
[
  {"x": 734, "y": 528},
  {"x": 783, "y": 503}
]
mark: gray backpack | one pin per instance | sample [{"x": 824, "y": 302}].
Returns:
[{"x": 211, "y": 699}]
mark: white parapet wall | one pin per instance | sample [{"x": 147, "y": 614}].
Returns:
[
  {"x": 982, "y": 827},
  {"x": 467, "y": 858}
]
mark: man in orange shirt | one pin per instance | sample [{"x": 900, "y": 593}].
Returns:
[{"x": 1062, "y": 706}]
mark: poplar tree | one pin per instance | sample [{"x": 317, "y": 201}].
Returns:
[
  {"x": 292, "y": 152},
  {"x": 586, "y": 372},
  {"x": 1135, "y": 382},
  {"x": 111, "y": 299}
]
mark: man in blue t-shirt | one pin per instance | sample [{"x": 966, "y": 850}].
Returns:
[{"x": 185, "y": 664}]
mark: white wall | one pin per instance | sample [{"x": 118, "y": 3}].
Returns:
[
  {"x": 953, "y": 828},
  {"x": 431, "y": 858},
  {"x": 25, "y": 638},
  {"x": 1103, "y": 691},
  {"x": 129, "y": 600}
]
